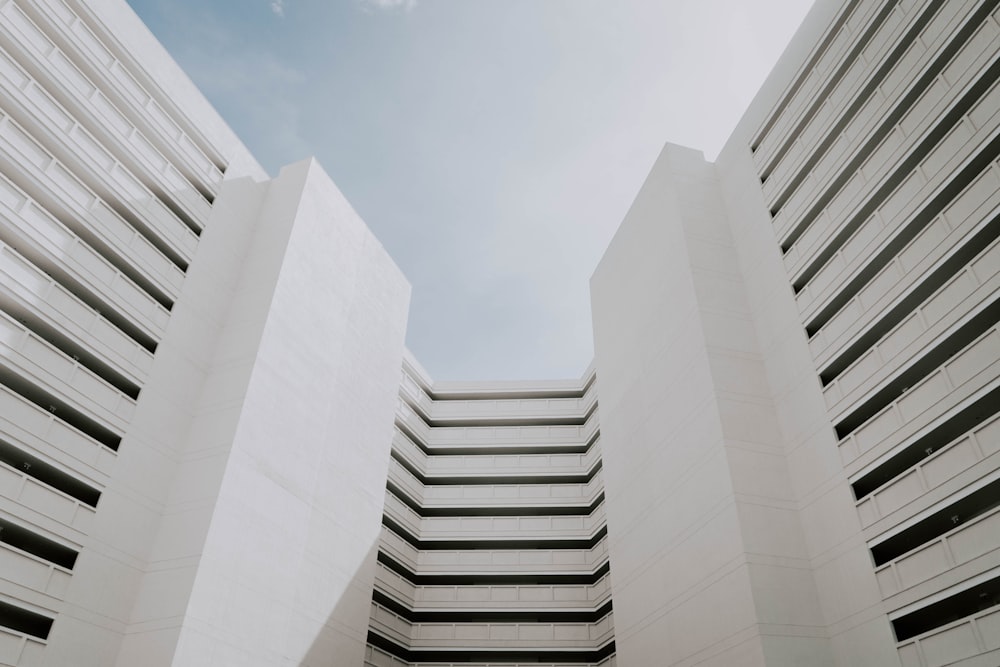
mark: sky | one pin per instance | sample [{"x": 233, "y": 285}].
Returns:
[{"x": 492, "y": 146}]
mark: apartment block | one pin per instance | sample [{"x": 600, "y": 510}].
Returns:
[
  {"x": 494, "y": 532},
  {"x": 215, "y": 448}
]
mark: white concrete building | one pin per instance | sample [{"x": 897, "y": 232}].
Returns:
[{"x": 215, "y": 449}]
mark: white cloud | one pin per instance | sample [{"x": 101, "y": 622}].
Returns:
[
  {"x": 389, "y": 5},
  {"x": 278, "y": 7}
]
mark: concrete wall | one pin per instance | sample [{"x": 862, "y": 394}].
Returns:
[
  {"x": 707, "y": 557},
  {"x": 833, "y": 547},
  {"x": 797, "y": 350},
  {"x": 97, "y": 271},
  {"x": 238, "y": 515},
  {"x": 273, "y": 521},
  {"x": 889, "y": 238},
  {"x": 130, "y": 575}
]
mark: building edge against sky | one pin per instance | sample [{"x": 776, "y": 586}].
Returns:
[
  {"x": 796, "y": 359},
  {"x": 797, "y": 353}
]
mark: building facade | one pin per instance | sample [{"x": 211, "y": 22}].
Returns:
[
  {"x": 494, "y": 543},
  {"x": 215, "y": 449}
]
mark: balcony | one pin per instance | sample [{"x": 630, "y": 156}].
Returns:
[{"x": 32, "y": 294}]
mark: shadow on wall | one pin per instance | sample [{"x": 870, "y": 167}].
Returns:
[{"x": 338, "y": 642}]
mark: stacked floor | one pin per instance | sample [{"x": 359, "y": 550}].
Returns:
[
  {"x": 883, "y": 182},
  {"x": 493, "y": 541}
]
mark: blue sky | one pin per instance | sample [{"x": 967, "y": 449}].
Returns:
[{"x": 493, "y": 146}]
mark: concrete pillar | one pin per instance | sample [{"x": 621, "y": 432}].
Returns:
[{"x": 708, "y": 562}]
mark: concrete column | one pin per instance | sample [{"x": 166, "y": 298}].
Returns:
[
  {"x": 266, "y": 553},
  {"x": 708, "y": 562}
]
